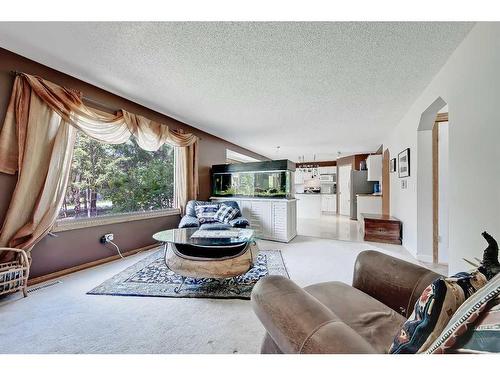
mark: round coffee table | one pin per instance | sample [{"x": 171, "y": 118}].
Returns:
[{"x": 221, "y": 254}]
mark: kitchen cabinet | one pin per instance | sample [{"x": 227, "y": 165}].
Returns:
[
  {"x": 374, "y": 165},
  {"x": 302, "y": 176},
  {"x": 327, "y": 170},
  {"x": 329, "y": 203},
  {"x": 299, "y": 177},
  {"x": 308, "y": 206},
  {"x": 271, "y": 219}
]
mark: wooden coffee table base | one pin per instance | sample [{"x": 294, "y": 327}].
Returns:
[{"x": 218, "y": 268}]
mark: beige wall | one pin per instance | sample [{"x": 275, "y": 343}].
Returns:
[{"x": 77, "y": 247}]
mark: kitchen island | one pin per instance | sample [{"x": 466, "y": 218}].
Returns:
[
  {"x": 308, "y": 205},
  {"x": 314, "y": 205}
]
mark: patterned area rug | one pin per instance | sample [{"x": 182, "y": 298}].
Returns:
[{"x": 150, "y": 277}]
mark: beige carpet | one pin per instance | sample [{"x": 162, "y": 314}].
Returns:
[{"x": 64, "y": 319}]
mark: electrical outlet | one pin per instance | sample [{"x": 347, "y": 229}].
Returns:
[{"x": 106, "y": 238}]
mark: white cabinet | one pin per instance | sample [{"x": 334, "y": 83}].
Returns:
[
  {"x": 299, "y": 177},
  {"x": 374, "y": 165},
  {"x": 302, "y": 176},
  {"x": 309, "y": 206},
  {"x": 260, "y": 217},
  {"x": 329, "y": 203},
  {"x": 271, "y": 219},
  {"x": 327, "y": 170},
  {"x": 368, "y": 204},
  {"x": 284, "y": 224}
]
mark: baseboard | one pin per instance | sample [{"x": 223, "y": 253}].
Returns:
[
  {"x": 424, "y": 258},
  {"x": 80, "y": 267}
]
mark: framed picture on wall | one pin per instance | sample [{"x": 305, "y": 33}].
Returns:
[
  {"x": 392, "y": 165},
  {"x": 404, "y": 163}
]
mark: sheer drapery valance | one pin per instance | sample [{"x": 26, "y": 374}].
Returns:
[
  {"x": 37, "y": 140},
  {"x": 109, "y": 128}
]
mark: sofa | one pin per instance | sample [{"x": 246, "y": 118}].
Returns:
[
  {"x": 333, "y": 317},
  {"x": 189, "y": 220}
]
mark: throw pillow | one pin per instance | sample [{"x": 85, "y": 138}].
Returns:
[
  {"x": 206, "y": 213},
  {"x": 226, "y": 213},
  {"x": 433, "y": 310},
  {"x": 485, "y": 336}
]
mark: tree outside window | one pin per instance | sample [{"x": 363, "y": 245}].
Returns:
[{"x": 115, "y": 179}]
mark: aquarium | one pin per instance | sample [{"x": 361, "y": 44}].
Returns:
[{"x": 271, "y": 179}]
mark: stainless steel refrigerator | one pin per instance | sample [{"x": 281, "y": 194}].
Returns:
[{"x": 359, "y": 185}]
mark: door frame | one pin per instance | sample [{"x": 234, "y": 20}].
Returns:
[
  {"x": 441, "y": 117},
  {"x": 386, "y": 183}
]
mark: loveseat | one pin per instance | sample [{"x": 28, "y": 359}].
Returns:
[{"x": 189, "y": 220}]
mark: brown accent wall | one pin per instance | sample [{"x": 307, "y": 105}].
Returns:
[
  {"x": 75, "y": 247},
  {"x": 353, "y": 160}
]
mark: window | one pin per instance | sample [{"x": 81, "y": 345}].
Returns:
[{"x": 108, "y": 180}]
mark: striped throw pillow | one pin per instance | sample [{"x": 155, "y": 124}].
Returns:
[
  {"x": 466, "y": 317},
  {"x": 226, "y": 213}
]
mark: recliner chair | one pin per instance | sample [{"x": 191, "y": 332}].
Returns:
[{"x": 334, "y": 317}]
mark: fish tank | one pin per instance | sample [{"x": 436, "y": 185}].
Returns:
[{"x": 269, "y": 179}]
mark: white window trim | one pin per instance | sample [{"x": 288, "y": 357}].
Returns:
[{"x": 62, "y": 225}]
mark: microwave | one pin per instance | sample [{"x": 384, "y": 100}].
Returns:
[{"x": 327, "y": 178}]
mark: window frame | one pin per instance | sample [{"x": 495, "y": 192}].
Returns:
[
  {"x": 65, "y": 224},
  {"x": 62, "y": 225}
]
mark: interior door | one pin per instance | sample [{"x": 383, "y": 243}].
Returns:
[{"x": 345, "y": 190}]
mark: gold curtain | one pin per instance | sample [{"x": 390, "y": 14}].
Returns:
[
  {"x": 37, "y": 141},
  {"x": 186, "y": 175},
  {"x": 151, "y": 135}
]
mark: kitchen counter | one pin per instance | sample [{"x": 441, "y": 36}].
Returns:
[
  {"x": 367, "y": 205},
  {"x": 254, "y": 199}
]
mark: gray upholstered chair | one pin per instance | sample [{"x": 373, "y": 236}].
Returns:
[{"x": 189, "y": 220}]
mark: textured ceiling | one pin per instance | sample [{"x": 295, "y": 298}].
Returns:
[{"x": 310, "y": 88}]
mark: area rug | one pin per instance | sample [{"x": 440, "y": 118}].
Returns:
[{"x": 150, "y": 277}]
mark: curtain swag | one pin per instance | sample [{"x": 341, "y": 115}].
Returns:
[{"x": 37, "y": 140}]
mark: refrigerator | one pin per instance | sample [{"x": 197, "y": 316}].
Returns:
[{"x": 359, "y": 185}]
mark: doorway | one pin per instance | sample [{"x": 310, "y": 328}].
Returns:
[
  {"x": 345, "y": 190},
  {"x": 428, "y": 212}
]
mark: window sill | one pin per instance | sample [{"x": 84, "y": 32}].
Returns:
[{"x": 62, "y": 225}]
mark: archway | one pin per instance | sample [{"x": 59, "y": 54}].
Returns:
[{"x": 430, "y": 234}]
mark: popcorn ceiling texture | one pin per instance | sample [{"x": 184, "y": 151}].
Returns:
[{"x": 318, "y": 87}]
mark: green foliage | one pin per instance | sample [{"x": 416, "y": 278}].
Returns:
[{"x": 129, "y": 177}]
